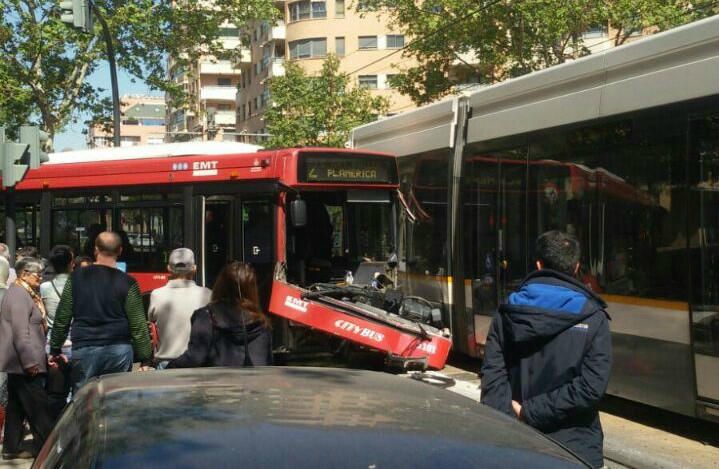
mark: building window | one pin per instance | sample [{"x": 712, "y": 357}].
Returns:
[
  {"x": 308, "y": 48},
  {"x": 395, "y": 41},
  {"x": 340, "y": 46},
  {"x": 367, "y": 42},
  {"x": 368, "y": 82},
  {"x": 339, "y": 8},
  {"x": 307, "y": 9},
  {"x": 596, "y": 31},
  {"x": 224, "y": 82},
  {"x": 230, "y": 33},
  {"x": 152, "y": 121},
  {"x": 390, "y": 78}
]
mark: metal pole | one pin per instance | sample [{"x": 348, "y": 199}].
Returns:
[
  {"x": 10, "y": 227},
  {"x": 113, "y": 77}
]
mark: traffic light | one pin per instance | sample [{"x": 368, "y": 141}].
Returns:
[
  {"x": 36, "y": 140},
  {"x": 11, "y": 156},
  {"x": 78, "y": 13}
]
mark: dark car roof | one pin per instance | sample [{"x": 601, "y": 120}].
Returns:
[{"x": 294, "y": 417}]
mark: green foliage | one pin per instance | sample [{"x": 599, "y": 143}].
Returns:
[
  {"x": 468, "y": 41},
  {"x": 317, "y": 110},
  {"x": 48, "y": 61}
]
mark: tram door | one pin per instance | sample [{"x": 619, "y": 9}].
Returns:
[
  {"x": 511, "y": 225},
  {"x": 704, "y": 249},
  {"x": 495, "y": 239}
]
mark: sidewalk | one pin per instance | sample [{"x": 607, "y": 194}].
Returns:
[{"x": 631, "y": 442}]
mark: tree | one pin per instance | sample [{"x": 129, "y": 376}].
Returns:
[
  {"x": 470, "y": 41},
  {"x": 317, "y": 110},
  {"x": 48, "y": 62}
]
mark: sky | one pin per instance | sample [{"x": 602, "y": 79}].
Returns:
[{"x": 72, "y": 137}]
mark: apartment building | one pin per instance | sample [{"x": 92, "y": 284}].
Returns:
[
  {"x": 311, "y": 29},
  {"x": 142, "y": 123},
  {"x": 211, "y": 84}
]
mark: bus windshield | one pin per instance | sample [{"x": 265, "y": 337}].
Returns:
[{"x": 343, "y": 230}]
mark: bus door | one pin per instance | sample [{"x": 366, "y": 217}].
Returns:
[
  {"x": 215, "y": 237},
  {"x": 257, "y": 243}
]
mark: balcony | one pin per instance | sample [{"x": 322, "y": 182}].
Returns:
[
  {"x": 230, "y": 42},
  {"x": 225, "y": 118},
  {"x": 278, "y": 32},
  {"x": 221, "y": 67},
  {"x": 218, "y": 93},
  {"x": 277, "y": 69}
]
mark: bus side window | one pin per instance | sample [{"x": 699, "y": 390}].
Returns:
[
  {"x": 77, "y": 220},
  {"x": 149, "y": 235}
]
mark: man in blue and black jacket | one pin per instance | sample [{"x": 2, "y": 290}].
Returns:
[{"x": 548, "y": 352}]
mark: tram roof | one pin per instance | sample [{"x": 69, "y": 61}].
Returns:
[
  {"x": 164, "y": 150},
  {"x": 673, "y": 66}
]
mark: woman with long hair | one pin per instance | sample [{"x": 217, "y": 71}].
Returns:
[{"x": 232, "y": 330}]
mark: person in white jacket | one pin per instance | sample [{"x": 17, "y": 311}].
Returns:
[{"x": 171, "y": 306}]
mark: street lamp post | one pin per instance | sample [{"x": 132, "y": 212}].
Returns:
[
  {"x": 78, "y": 13},
  {"x": 113, "y": 78}
]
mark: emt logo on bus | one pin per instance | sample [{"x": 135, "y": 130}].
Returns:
[
  {"x": 296, "y": 304},
  {"x": 204, "y": 168}
]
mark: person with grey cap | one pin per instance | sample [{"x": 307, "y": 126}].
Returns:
[
  {"x": 22, "y": 356},
  {"x": 171, "y": 306}
]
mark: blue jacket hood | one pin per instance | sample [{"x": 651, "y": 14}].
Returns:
[{"x": 547, "y": 303}]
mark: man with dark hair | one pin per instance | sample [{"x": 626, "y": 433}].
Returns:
[
  {"x": 108, "y": 319},
  {"x": 548, "y": 352}
]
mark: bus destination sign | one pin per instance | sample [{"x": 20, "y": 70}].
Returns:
[{"x": 339, "y": 168}]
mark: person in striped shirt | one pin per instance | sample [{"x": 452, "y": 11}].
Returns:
[{"x": 109, "y": 327}]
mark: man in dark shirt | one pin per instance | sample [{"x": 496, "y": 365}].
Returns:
[
  {"x": 109, "y": 329},
  {"x": 548, "y": 352}
]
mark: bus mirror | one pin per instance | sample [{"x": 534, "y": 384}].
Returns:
[
  {"x": 298, "y": 213},
  {"x": 392, "y": 261}
]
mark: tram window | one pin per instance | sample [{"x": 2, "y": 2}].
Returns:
[
  {"x": 620, "y": 188},
  {"x": 149, "y": 235},
  {"x": 424, "y": 180}
]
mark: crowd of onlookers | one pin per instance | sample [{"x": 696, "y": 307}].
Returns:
[{"x": 67, "y": 319}]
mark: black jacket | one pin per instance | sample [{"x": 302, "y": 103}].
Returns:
[
  {"x": 221, "y": 342},
  {"x": 549, "y": 349}
]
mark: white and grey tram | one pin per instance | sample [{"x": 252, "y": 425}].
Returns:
[{"x": 620, "y": 148}]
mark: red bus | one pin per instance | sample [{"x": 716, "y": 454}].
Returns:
[{"x": 302, "y": 217}]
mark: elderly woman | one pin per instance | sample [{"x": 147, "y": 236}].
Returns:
[
  {"x": 4, "y": 273},
  {"x": 22, "y": 357}
]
